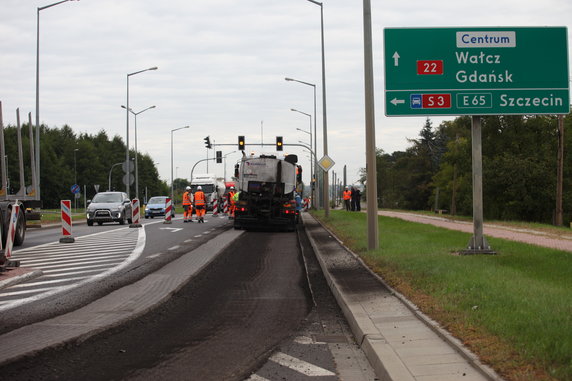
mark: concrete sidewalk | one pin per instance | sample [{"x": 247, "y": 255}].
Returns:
[
  {"x": 114, "y": 309},
  {"x": 400, "y": 342}
]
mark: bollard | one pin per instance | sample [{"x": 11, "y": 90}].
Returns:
[
  {"x": 215, "y": 207},
  {"x": 225, "y": 206},
  {"x": 168, "y": 212},
  {"x": 135, "y": 215},
  {"x": 66, "y": 222},
  {"x": 12, "y": 230}
]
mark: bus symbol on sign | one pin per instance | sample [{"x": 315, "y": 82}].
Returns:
[
  {"x": 425, "y": 67},
  {"x": 422, "y": 101}
]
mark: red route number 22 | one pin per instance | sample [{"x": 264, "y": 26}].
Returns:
[{"x": 434, "y": 67}]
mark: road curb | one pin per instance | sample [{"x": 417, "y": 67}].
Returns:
[{"x": 18, "y": 275}]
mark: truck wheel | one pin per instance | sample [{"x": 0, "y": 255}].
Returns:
[
  {"x": 89, "y": 223},
  {"x": 20, "y": 232}
]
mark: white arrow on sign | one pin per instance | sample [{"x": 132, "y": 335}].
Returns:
[
  {"x": 173, "y": 230},
  {"x": 396, "y": 59},
  {"x": 396, "y": 101}
]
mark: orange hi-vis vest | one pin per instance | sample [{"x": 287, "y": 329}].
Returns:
[
  {"x": 347, "y": 194},
  {"x": 186, "y": 198},
  {"x": 199, "y": 198},
  {"x": 231, "y": 197}
]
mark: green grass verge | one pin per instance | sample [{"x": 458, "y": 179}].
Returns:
[{"x": 521, "y": 297}]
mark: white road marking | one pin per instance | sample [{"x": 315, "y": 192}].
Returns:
[
  {"x": 188, "y": 240},
  {"x": 300, "y": 366},
  {"x": 256, "y": 377},
  {"x": 174, "y": 247},
  {"x": 173, "y": 230}
]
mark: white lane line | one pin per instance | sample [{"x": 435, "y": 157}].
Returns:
[
  {"x": 70, "y": 272},
  {"x": 256, "y": 377},
  {"x": 154, "y": 255},
  {"x": 95, "y": 260},
  {"x": 187, "y": 240},
  {"x": 300, "y": 366},
  {"x": 198, "y": 236},
  {"x": 173, "y": 248},
  {"x": 104, "y": 265}
]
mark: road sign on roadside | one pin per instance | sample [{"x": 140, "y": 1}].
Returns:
[
  {"x": 476, "y": 71},
  {"x": 129, "y": 167},
  {"x": 326, "y": 163},
  {"x": 75, "y": 189}
]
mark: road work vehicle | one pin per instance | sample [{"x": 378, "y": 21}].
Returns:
[{"x": 266, "y": 193}]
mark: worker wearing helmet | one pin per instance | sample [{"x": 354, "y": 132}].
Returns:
[
  {"x": 347, "y": 198},
  {"x": 187, "y": 205},
  {"x": 200, "y": 204},
  {"x": 232, "y": 202}
]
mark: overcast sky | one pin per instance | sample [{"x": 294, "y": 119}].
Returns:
[{"x": 221, "y": 71}]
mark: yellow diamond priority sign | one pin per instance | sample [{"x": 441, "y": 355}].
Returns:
[{"x": 326, "y": 163}]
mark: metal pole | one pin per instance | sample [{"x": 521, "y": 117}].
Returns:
[
  {"x": 172, "y": 188},
  {"x": 38, "y": 104},
  {"x": 478, "y": 243},
  {"x": 371, "y": 171},
  {"x": 559, "y": 171},
  {"x": 136, "y": 168},
  {"x": 324, "y": 120},
  {"x": 127, "y": 171}
]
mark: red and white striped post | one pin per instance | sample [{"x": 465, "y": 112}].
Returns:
[
  {"x": 135, "y": 214},
  {"x": 215, "y": 207},
  {"x": 66, "y": 222},
  {"x": 168, "y": 212},
  {"x": 225, "y": 206},
  {"x": 12, "y": 230}
]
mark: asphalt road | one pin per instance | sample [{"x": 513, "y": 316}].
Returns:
[{"x": 221, "y": 326}]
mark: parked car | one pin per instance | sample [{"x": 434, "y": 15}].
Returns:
[
  {"x": 109, "y": 207},
  {"x": 156, "y": 207}
]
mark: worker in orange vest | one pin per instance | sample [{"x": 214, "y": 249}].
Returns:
[
  {"x": 347, "y": 198},
  {"x": 231, "y": 202},
  {"x": 200, "y": 204},
  {"x": 187, "y": 205}
]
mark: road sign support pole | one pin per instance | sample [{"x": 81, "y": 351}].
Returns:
[{"x": 478, "y": 243}]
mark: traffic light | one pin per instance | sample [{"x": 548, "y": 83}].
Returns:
[
  {"x": 241, "y": 143},
  {"x": 208, "y": 142},
  {"x": 219, "y": 157},
  {"x": 299, "y": 173},
  {"x": 279, "y": 145}
]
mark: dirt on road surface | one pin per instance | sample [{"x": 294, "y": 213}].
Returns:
[{"x": 530, "y": 236}]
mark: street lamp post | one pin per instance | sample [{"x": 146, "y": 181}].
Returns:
[
  {"x": 324, "y": 118},
  {"x": 136, "y": 151},
  {"x": 37, "y": 190},
  {"x": 127, "y": 134},
  {"x": 311, "y": 161},
  {"x": 75, "y": 175},
  {"x": 224, "y": 158},
  {"x": 314, "y": 201},
  {"x": 109, "y": 181},
  {"x": 172, "y": 189}
]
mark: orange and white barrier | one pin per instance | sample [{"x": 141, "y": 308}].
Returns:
[
  {"x": 135, "y": 214},
  {"x": 168, "y": 212},
  {"x": 215, "y": 207},
  {"x": 12, "y": 230},
  {"x": 66, "y": 222}
]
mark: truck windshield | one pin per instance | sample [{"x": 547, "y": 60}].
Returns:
[{"x": 206, "y": 188}]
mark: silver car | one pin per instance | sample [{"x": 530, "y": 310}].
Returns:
[{"x": 109, "y": 207}]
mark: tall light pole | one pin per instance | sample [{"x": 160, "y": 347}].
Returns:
[
  {"x": 324, "y": 116},
  {"x": 127, "y": 134},
  {"x": 75, "y": 175},
  {"x": 113, "y": 166},
  {"x": 38, "y": 91},
  {"x": 311, "y": 161},
  {"x": 224, "y": 158},
  {"x": 172, "y": 189},
  {"x": 314, "y": 201},
  {"x": 136, "y": 151}
]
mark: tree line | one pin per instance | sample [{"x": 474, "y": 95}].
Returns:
[
  {"x": 95, "y": 156},
  {"x": 519, "y": 169}
]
